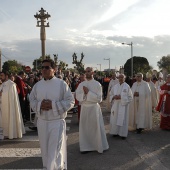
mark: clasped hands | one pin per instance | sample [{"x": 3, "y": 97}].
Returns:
[
  {"x": 166, "y": 92},
  {"x": 117, "y": 97},
  {"x": 46, "y": 104},
  {"x": 85, "y": 89},
  {"x": 136, "y": 94}
]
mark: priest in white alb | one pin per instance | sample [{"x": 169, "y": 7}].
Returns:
[
  {"x": 92, "y": 135},
  {"x": 140, "y": 109},
  {"x": 112, "y": 83},
  {"x": 120, "y": 96},
  {"x": 51, "y": 98},
  {"x": 154, "y": 96},
  {"x": 12, "y": 122},
  {"x": 159, "y": 83}
]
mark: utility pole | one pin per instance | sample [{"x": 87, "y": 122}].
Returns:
[
  {"x": 100, "y": 68},
  {"x": 109, "y": 63},
  {"x": 41, "y": 19},
  {"x": 131, "y": 45}
]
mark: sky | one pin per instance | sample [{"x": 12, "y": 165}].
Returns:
[{"x": 95, "y": 27}]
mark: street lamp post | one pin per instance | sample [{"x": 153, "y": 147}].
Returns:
[
  {"x": 100, "y": 68},
  {"x": 131, "y": 44},
  {"x": 109, "y": 63},
  {"x": 41, "y": 19}
]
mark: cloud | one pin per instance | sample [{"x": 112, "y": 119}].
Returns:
[
  {"x": 26, "y": 51},
  {"x": 96, "y": 28}
]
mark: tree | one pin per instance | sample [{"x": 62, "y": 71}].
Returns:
[
  {"x": 100, "y": 73},
  {"x": 79, "y": 65},
  {"x": 140, "y": 64},
  {"x": 164, "y": 63},
  {"x": 37, "y": 62},
  {"x": 61, "y": 64},
  {"x": 12, "y": 66}
]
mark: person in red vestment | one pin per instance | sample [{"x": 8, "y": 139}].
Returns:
[
  {"x": 164, "y": 104},
  {"x": 81, "y": 79},
  {"x": 23, "y": 92}
]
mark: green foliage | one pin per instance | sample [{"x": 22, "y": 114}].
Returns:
[
  {"x": 63, "y": 65},
  {"x": 100, "y": 73},
  {"x": 140, "y": 64},
  {"x": 79, "y": 64},
  {"x": 38, "y": 62},
  {"x": 164, "y": 63},
  {"x": 12, "y": 66}
]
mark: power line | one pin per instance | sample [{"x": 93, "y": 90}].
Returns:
[
  {"x": 12, "y": 59},
  {"x": 5, "y": 56}
]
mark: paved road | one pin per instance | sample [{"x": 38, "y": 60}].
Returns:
[{"x": 147, "y": 151}]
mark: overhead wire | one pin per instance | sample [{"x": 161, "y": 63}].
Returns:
[{"x": 12, "y": 59}]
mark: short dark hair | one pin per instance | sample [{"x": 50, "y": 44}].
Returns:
[
  {"x": 21, "y": 73},
  {"x": 49, "y": 61},
  {"x": 5, "y": 72},
  {"x": 82, "y": 74}
]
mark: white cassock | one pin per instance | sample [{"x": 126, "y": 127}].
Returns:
[
  {"x": 140, "y": 109},
  {"x": 12, "y": 122},
  {"x": 51, "y": 124},
  {"x": 154, "y": 95},
  {"x": 158, "y": 84},
  {"x": 119, "y": 117},
  {"x": 111, "y": 84},
  {"x": 92, "y": 135}
]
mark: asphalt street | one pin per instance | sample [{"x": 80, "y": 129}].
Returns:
[{"x": 147, "y": 151}]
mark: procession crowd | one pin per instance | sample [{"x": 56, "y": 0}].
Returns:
[{"x": 50, "y": 93}]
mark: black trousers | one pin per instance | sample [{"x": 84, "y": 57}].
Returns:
[{"x": 24, "y": 110}]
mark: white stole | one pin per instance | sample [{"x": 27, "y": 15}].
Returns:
[{"x": 123, "y": 91}]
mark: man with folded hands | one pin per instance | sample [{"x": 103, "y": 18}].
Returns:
[
  {"x": 51, "y": 98},
  {"x": 140, "y": 117},
  {"x": 120, "y": 96}
]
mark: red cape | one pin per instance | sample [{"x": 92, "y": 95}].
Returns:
[{"x": 167, "y": 103}]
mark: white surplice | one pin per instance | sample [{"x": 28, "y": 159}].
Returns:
[
  {"x": 51, "y": 124},
  {"x": 92, "y": 135},
  {"x": 112, "y": 83},
  {"x": 119, "y": 116},
  {"x": 12, "y": 122},
  {"x": 154, "y": 95},
  {"x": 140, "y": 109},
  {"x": 158, "y": 84}
]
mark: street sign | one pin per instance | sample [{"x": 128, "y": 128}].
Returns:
[{"x": 27, "y": 69}]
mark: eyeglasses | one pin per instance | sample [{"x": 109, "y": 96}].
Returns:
[{"x": 46, "y": 67}]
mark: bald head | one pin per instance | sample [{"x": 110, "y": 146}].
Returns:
[
  {"x": 121, "y": 78},
  {"x": 89, "y": 73}
]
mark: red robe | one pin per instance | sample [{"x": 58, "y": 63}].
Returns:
[{"x": 164, "y": 108}]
